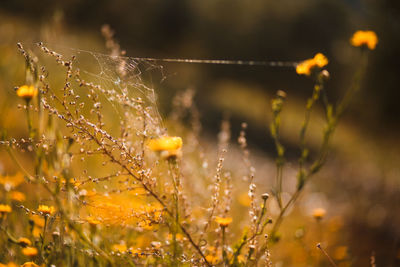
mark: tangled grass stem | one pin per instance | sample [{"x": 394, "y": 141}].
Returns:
[{"x": 144, "y": 185}]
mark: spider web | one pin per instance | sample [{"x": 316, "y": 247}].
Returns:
[{"x": 137, "y": 77}]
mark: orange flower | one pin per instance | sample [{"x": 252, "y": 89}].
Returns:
[
  {"x": 27, "y": 91},
  {"x": 46, "y": 210},
  {"x": 17, "y": 196},
  {"x": 5, "y": 208},
  {"x": 37, "y": 220},
  {"x": 165, "y": 143},
  {"x": 213, "y": 259},
  {"x": 23, "y": 241},
  {"x": 92, "y": 220},
  {"x": 178, "y": 237},
  {"x": 319, "y": 213},
  {"x": 367, "y": 38},
  {"x": 11, "y": 182},
  {"x": 223, "y": 222},
  {"x": 30, "y": 251},
  {"x": 37, "y": 231},
  {"x": 29, "y": 264},
  {"x": 120, "y": 248},
  {"x": 308, "y": 65}
]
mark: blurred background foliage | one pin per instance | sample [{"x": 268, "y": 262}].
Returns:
[{"x": 362, "y": 180}]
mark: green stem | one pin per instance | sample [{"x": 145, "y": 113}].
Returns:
[
  {"x": 224, "y": 255},
  {"x": 175, "y": 180},
  {"x": 44, "y": 233},
  {"x": 277, "y": 104},
  {"x": 29, "y": 120}
]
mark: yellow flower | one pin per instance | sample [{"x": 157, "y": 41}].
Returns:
[
  {"x": 17, "y": 196},
  {"x": 30, "y": 251},
  {"x": 5, "y": 208},
  {"x": 178, "y": 237},
  {"x": 92, "y": 220},
  {"x": 27, "y": 91},
  {"x": 320, "y": 60},
  {"x": 319, "y": 213},
  {"x": 37, "y": 220},
  {"x": 120, "y": 248},
  {"x": 46, "y": 210},
  {"x": 146, "y": 224},
  {"x": 10, "y": 264},
  {"x": 223, "y": 222},
  {"x": 29, "y": 264},
  {"x": 36, "y": 232},
  {"x": 10, "y": 182},
  {"x": 308, "y": 65},
  {"x": 367, "y": 38},
  {"x": 213, "y": 259},
  {"x": 165, "y": 143},
  {"x": 23, "y": 241}
]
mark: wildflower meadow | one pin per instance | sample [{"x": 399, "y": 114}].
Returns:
[{"x": 104, "y": 162}]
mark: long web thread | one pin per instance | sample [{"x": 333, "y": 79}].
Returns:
[
  {"x": 267, "y": 63},
  {"x": 224, "y": 62}
]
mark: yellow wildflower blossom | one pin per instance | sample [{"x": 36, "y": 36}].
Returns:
[
  {"x": 23, "y": 241},
  {"x": 37, "y": 231},
  {"x": 367, "y": 38},
  {"x": 17, "y": 196},
  {"x": 223, "y": 222},
  {"x": 37, "y": 220},
  {"x": 30, "y": 251},
  {"x": 178, "y": 237},
  {"x": 319, "y": 213},
  {"x": 308, "y": 65},
  {"x": 92, "y": 220},
  {"x": 165, "y": 143},
  {"x": 10, "y": 182},
  {"x": 29, "y": 264},
  {"x": 27, "y": 91},
  {"x": 5, "y": 208},
  {"x": 120, "y": 248},
  {"x": 46, "y": 210},
  {"x": 213, "y": 259},
  {"x": 121, "y": 210},
  {"x": 146, "y": 224}
]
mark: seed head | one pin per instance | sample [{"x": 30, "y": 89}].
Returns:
[{"x": 265, "y": 196}]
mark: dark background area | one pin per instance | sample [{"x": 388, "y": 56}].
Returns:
[{"x": 258, "y": 30}]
